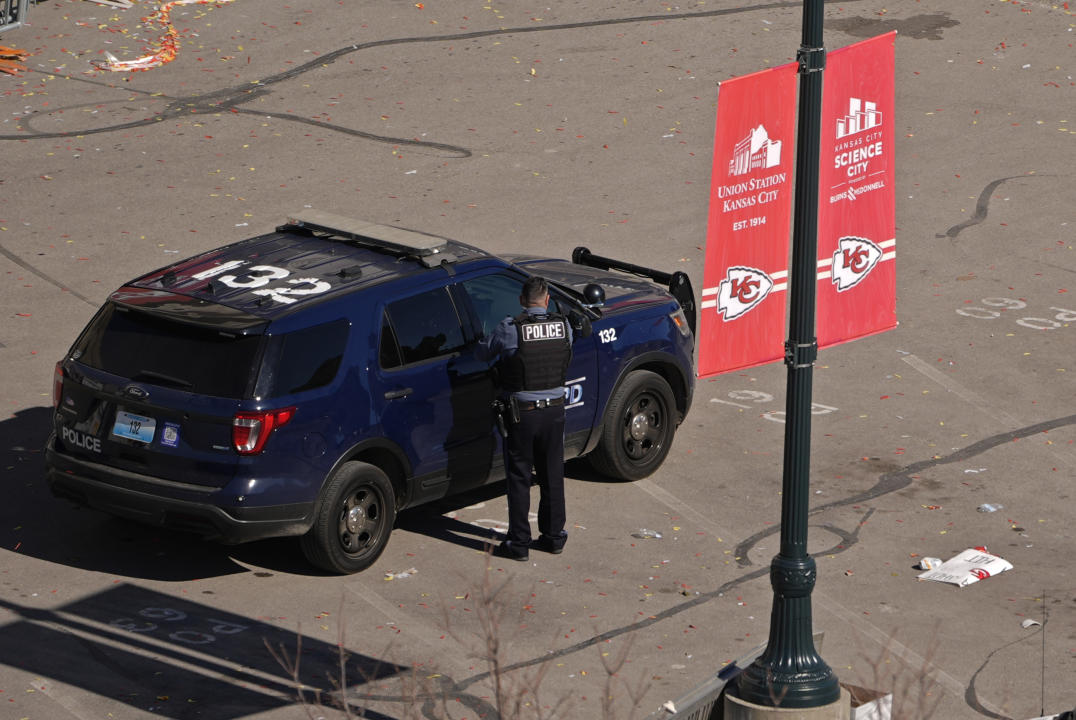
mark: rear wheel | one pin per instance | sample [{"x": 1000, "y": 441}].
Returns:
[
  {"x": 355, "y": 515},
  {"x": 638, "y": 428}
]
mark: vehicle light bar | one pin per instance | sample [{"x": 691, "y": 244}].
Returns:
[{"x": 430, "y": 249}]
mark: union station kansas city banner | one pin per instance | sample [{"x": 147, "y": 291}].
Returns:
[{"x": 745, "y": 281}]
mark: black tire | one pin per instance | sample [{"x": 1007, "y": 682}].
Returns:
[
  {"x": 638, "y": 428},
  {"x": 353, "y": 520}
]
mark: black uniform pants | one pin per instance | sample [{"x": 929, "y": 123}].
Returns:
[{"x": 536, "y": 441}]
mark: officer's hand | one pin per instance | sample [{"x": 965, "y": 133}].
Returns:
[{"x": 580, "y": 323}]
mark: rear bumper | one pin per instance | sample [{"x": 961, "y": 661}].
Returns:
[{"x": 179, "y": 506}]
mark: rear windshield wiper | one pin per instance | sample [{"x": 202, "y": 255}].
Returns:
[{"x": 162, "y": 378}]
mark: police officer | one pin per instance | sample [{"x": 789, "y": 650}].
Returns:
[{"x": 533, "y": 350}]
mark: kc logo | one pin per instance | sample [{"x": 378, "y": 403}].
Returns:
[
  {"x": 853, "y": 261},
  {"x": 742, "y": 289}
]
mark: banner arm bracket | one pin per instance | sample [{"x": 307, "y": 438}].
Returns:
[
  {"x": 811, "y": 59},
  {"x": 801, "y": 355}
]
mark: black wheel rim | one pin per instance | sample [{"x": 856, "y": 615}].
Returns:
[
  {"x": 643, "y": 431},
  {"x": 361, "y": 520}
]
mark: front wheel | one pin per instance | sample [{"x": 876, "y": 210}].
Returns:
[
  {"x": 638, "y": 428},
  {"x": 353, "y": 520}
]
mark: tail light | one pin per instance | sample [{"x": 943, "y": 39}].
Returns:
[
  {"x": 251, "y": 430},
  {"x": 57, "y": 384}
]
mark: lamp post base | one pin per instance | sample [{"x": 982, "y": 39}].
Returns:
[{"x": 739, "y": 709}]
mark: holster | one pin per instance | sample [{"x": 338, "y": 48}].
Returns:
[{"x": 498, "y": 414}]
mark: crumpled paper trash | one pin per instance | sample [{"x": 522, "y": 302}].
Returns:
[{"x": 970, "y": 566}]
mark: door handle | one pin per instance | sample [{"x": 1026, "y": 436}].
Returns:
[{"x": 402, "y": 392}]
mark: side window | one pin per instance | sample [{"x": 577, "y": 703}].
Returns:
[
  {"x": 310, "y": 358},
  {"x": 494, "y": 297},
  {"x": 425, "y": 326}
]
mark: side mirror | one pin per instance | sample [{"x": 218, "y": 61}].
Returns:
[{"x": 593, "y": 295}]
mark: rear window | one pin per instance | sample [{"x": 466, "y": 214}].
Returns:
[
  {"x": 150, "y": 349},
  {"x": 304, "y": 359}
]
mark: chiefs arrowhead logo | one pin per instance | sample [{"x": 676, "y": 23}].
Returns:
[
  {"x": 853, "y": 261},
  {"x": 742, "y": 289}
]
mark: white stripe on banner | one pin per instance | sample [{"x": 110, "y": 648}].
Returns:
[
  {"x": 779, "y": 287},
  {"x": 779, "y": 275},
  {"x": 828, "y": 273}
]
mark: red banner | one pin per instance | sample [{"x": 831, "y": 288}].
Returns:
[
  {"x": 856, "y": 212},
  {"x": 746, "y": 272}
]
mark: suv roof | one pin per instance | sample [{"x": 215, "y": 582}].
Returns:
[{"x": 313, "y": 256}]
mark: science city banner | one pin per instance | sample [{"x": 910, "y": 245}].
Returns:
[
  {"x": 742, "y": 322},
  {"x": 856, "y": 292}
]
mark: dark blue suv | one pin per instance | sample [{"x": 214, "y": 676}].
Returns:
[{"x": 316, "y": 380}]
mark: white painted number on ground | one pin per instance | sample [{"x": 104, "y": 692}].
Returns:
[
  {"x": 1061, "y": 316},
  {"x": 739, "y": 397},
  {"x": 778, "y": 416}
]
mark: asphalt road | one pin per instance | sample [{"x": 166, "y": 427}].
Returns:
[{"x": 522, "y": 126}]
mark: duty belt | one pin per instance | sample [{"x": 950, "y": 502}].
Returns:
[{"x": 524, "y": 405}]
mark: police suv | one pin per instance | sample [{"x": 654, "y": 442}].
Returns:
[{"x": 316, "y": 380}]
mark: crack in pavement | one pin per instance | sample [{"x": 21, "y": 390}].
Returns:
[
  {"x": 44, "y": 276},
  {"x": 982, "y": 207}
]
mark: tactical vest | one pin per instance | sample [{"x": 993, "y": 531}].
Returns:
[{"x": 544, "y": 350}]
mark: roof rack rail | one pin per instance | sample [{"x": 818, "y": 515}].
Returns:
[{"x": 430, "y": 250}]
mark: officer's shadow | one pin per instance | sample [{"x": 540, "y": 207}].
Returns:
[{"x": 433, "y": 519}]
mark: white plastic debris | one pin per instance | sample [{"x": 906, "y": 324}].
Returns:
[
  {"x": 1028, "y": 623},
  {"x": 400, "y": 575},
  {"x": 989, "y": 507},
  {"x": 643, "y": 533}
]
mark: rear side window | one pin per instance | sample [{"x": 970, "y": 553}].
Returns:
[
  {"x": 308, "y": 359},
  {"x": 422, "y": 326},
  {"x": 147, "y": 348}
]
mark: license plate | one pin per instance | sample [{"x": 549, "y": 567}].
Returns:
[{"x": 134, "y": 427}]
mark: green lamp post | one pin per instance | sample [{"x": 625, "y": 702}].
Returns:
[{"x": 790, "y": 673}]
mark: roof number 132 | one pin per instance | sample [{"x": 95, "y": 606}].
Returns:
[{"x": 258, "y": 276}]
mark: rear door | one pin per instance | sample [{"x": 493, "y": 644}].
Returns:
[{"x": 436, "y": 398}]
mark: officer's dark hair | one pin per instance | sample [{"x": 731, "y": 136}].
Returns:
[{"x": 534, "y": 289}]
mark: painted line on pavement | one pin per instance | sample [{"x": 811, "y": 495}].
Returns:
[
  {"x": 915, "y": 661},
  {"x": 666, "y": 498},
  {"x": 962, "y": 392}
]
